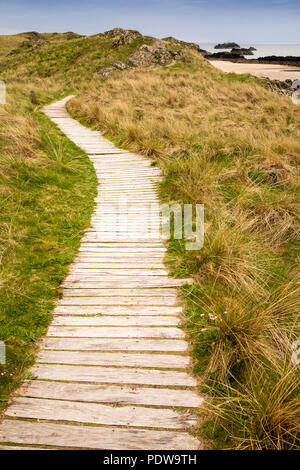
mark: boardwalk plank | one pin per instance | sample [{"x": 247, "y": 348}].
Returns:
[
  {"x": 92, "y": 437},
  {"x": 113, "y": 375},
  {"x": 94, "y": 413},
  {"x": 119, "y": 394},
  {"x": 169, "y": 361},
  {"x": 111, "y": 344}
]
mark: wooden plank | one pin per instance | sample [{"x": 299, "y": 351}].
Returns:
[
  {"x": 116, "y": 310},
  {"x": 113, "y": 375},
  {"x": 108, "y": 320},
  {"x": 93, "y": 263},
  {"x": 123, "y": 279},
  {"x": 108, "y": 344},
  {"x": 95, "y": 413},
  {"x": 122, "y": 395},
  {"x": 20, "y": 448},
  {"x": 92, "y": 437},
  {"x": 121, "y": 292},
  {"x": 118, "y": 301},
  {"x": 115, "y": 332},
  {"x": 124, "y": 284},
  {"x": 118, "y": 271},
  {"x": 121, "y": 250},
  {"x": 102, "y": 237},
  {"x": 166, "y": 361},
  {"x": 87, "y": 257}
]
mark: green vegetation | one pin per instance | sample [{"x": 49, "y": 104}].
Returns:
[
  {"x": 70, "y": 60},
  {"x": 46, "y": 198},
  {"x": 10, "y": 42},
  {"x": 233, "y": 146},
  {"x": 222, "y": 140}
]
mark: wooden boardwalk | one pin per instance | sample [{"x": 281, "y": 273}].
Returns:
[{"x": 113, "y": 370}]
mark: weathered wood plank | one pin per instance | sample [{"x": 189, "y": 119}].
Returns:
[
  {"x": 110, "y": 320},
  {"x": 95, "y": 413},
  {"x": 115, "y": 332},
  {"x": 102, "y": 300},
  {"x": 117, "y": 271},
  {"x": 110, "y": 344},
  {"x": 91, "y": 437},
  {"x": 121, "y": 292},
  {"x": 119, "y": 394},
  {"x": 166, "y": 361},
  {"x": 106, "y": 258},
  {"x": 121, "y": 265},
  {"x": 122, "y": 279},
  {"x": 116, "y": 310},
  {"x": 125, "y": 284},
  {"x": 20, "y": 448},
  {"x": 113, "y": 375}
]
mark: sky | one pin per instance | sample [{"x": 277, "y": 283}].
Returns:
[{"x": 244, "y": 21}]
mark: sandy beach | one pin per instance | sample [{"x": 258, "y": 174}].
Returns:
[{"x": 272, "y": 71}]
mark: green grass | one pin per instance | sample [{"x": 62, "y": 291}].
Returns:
[{"x": 46, "y": 198}]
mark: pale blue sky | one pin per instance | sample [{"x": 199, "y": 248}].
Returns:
[{"x": 191, "y": 20}]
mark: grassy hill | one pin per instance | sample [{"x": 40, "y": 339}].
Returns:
[
  {"x": 69, "y": 56},
  {"x": 222, "y": 140},
  {"x": 10, "y": 42}
]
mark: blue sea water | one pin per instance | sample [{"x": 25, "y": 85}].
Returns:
[{"x": 263, "y": 50}]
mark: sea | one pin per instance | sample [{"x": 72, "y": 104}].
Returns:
[{"x": 263, "y": 50}]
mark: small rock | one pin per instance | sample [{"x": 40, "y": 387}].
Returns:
[{"x": 120, "y": 65}]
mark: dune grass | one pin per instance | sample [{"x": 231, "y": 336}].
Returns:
[
  {"x": 221, "y": 140},
  {"x": 47, "y": 187},
  {"x": 234, "y": 147}
]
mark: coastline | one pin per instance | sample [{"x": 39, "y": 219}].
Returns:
[{"x": 272, "y": 71}]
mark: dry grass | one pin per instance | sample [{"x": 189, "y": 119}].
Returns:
[
  {"x": 235, "y": 147},
  {"x": 265, "y": 410}
]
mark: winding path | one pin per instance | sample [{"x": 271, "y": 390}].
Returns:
[{"x": 113, "y": 370}]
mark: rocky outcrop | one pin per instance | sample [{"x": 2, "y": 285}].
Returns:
[
  {"x": 227, "y": 45},
  {"x": 224, "y": 56},
  {"x": 236, "y": 52},
  {"x": 122, "y": 36},
  {"x": 33, "y": 39},
  {"x": 184, "y": 45},
  {"x": 280, "y": 60},
  {"x": 243, "y": 51},
  {"x": 161, "y": 52},
  {"x": 35, "y": 36}
]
